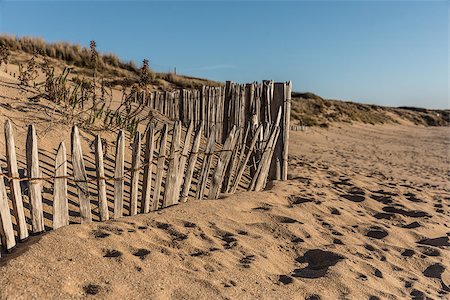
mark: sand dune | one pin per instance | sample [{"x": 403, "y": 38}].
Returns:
[{"x": 364, "y": 215}]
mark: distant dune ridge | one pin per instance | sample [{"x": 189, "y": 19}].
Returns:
[
  {"x": 309, "y": 109},
  {"x": 364, "y": 214}
]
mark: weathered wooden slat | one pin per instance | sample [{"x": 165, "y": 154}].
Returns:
[
  {"x": 101, "y": 182},
  {"x": 172, "y": 173},
  {"x": 34, "y": 186},
  {"x": 262, "y": 180},
  {"x": 191, "y": 164},
  {"x": 279, "y": 95},
  {"x": 226, "y": 107},
  {"x": 244, "y": 162},
  {"x": 183, "y": 159},
  {"x": 148, "y": 166},
  {"x": 60, "y": 206},
  {"x": 201, "y": 186},
  {"x": 259, "y": 180},
  {"x": 119, "y": 176},
  {"x": 286, "y": 125},
  {"x": 224, "y": 159},
  {"x": 80, "y": 176},
  {"x": 228, "y": 175},
  {"x": 6, "y": 227},
  {"x": 14, "y": 184},
  {"x": 135, "y": 172},
  {"x": 160, "y": 167}
]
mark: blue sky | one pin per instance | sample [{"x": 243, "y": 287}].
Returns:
[{"x": 384, "y": 52}]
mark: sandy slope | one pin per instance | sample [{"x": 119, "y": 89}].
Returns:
[{"x": 364, "y": 214}]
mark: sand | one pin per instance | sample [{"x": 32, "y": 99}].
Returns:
[{"x": 364, "y": 215}]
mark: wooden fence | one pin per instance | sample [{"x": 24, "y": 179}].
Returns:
[
  {"x": 222, "y": 108},
  {"x": 169, "y": 163}
]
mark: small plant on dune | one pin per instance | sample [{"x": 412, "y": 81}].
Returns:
[
  {"x": 4, "y": 55},
  {"x": 94, "y": 62},
  {"x": 29, "y": 72},
  {"x": 145, "y": 75},
  {"x": 83, "y": 100}
]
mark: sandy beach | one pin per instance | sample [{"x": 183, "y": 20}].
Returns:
[{"x": 364, "y": 215}]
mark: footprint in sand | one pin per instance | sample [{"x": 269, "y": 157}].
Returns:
[
  {"x": 382, "y": 198},
  {"x": 412, "y": 225},
  {"x": 199, "y": 253},
  {"x": 319, "y": 261},
  {"x": 413, "y": 198},
  {"x": 335, "y": 211},
  {"x": 378, "y": 273},
  {"x": 176, "y": 235},
  {"x": 285, "y": 220},
  {"x": 112, "y": 253},
  {"x": 417, "y": 295},
  {"x": 294, "y": 200},
  {"x": 384, "y": 216},
  {"x": 377, "y": 233},
  {"x": 263, "y": 207},
  {"x": 338, "y": 242},
  {"x": 408, "y": 253},
  {"x": 369, "y": 247},
  {"x": 429, "y": 251},
  {"x": 189, "y": 225},
  {"x": 285, "y": 279},
  {"x": 141, "y": 253},
  {"x": 313, "y": 297},
  {"x": 406, "y": 213},
  {"x": 247, "y": 260},
  {"x": 437, "y": 242},
  {"x": 354, "y": 197},
  {"x": 297, "y": 240},
  {"x": 91, "y": 289},
  {"x": 98, "y": 234},
  {"x": 435, "y": 271},
  {"x": 229, "y": 239}
]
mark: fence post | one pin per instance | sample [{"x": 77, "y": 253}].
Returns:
[
  {"x": 160, "y": 167},
  {"x": 34, "y": 186},
  {"x": 206, "y": 164},
  {"x": 6, "y": 227},
  {"x": 259, "y": 180},
  {"x": 118, "y": 176},
  {"x": 228, "y": 174},
  {"x": 222, "y": 163},
  {"x": 183, "y": 159},
  {"x": 14, "y": 183},
  {"x": 286, "y": 123},
  {"x": 60, "y": 207},
  {"x": 101, "y": 183},
  {"x": 243, "y": 163},
  {"x": 80, "y": 176},
  {"x": 191, "y": 164},
  {"x": 172, "y": 171},
  {"x": 135, "y": 171},
  {"x": 226, "y": 108},
  {"x": 279, "y": 93},
  {"x": 148, "y": 162}
]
